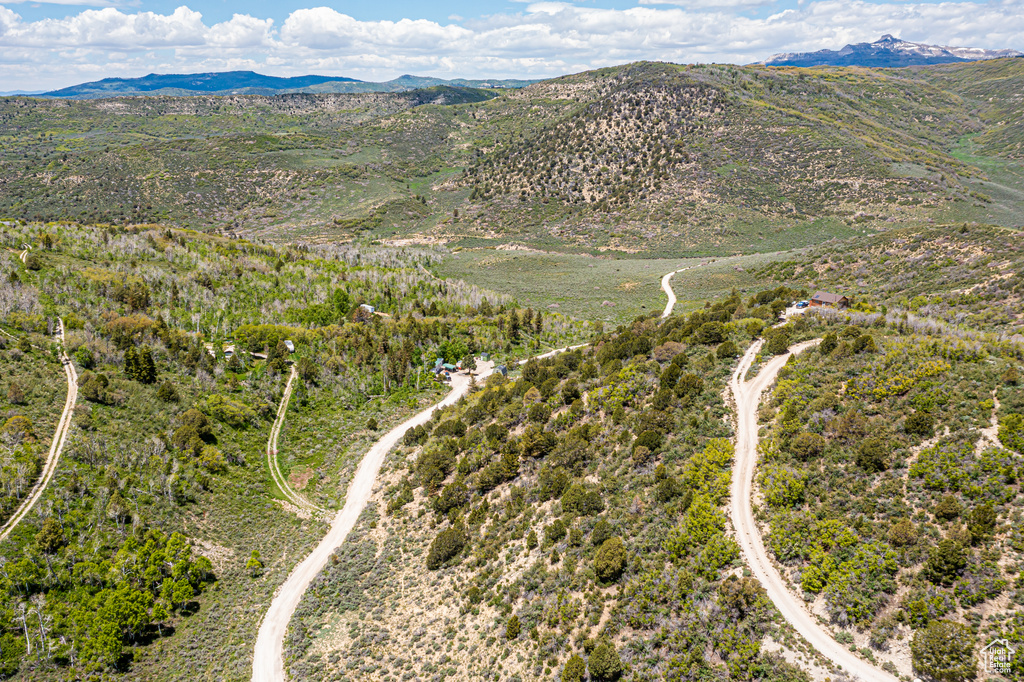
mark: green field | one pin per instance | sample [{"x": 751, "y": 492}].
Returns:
[{"x": 585, "y": 286}]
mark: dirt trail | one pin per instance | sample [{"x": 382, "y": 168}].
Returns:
[
  {"x": 748, "y": 398},
  {"x": 56, "y": 445},
  {"x": 667, "y": 288},
  {"x": 275, "y": 470}
]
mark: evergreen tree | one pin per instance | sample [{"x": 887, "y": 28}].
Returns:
[
  {"x": 513, "y": 326},
  {"x": 50, "y": 537},
  {"x": 575, "y": 669},
  {"x": 604, "y": 662},
  {"x": 512, "y": 628},
  {"x": 145, "y": 366},
  {"x": 167, "y": 392},
  {"x": 610, "y": 561},
  {"x": 945, "y": 563},
  {"x": 944, "y": 651},
  {"x": 131, "y": 363}
]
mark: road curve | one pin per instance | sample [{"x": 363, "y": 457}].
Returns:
[
  {"x": 666, "y": 286},
  {"x": 747, "y": 395},
  {"x": 56, "y": 445},
  {"x": 275, "y": 431},
  {"x": 268, "y": 658}
]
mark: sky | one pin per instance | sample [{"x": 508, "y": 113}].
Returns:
[{"x": 48, "y": 45}]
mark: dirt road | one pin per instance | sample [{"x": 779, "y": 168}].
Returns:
[
  {"x": 268, "y": 660},
  {"x": 275, "y": 431},
  {"x": 748, "y": 398},
  {"x": 666, "y": 286},
  {"x": 56, "y": 445}
]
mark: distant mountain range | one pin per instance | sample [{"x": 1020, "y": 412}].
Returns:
[
  {"x": 889, "y": 52},
  {"x": 251, "y": 83}
]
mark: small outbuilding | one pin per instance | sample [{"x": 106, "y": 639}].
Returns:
[
  {"x": 290, "y": 346},
  {"x": 824, "y": 299}
]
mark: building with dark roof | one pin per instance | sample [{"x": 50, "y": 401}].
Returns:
[{"x": 825, "y": 299}]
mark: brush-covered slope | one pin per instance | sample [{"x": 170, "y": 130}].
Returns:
[
  {"x": 572, "y": 514},
  {"x": 967, "y": 276},
  {"x": 645, "y": 157}
]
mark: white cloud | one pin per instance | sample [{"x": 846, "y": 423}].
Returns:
[
  {"x": 545, "y": 38},
  {"x": 710, "y": 4}
]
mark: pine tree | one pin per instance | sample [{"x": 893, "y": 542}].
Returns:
[
  {"x": 167, "y": 392},
  {"x": 604, "y": 662},
  {"x": 131, "y": 363},
  {"x": 513, "y": 326},
  {"x": 145, "y": 366},
  {"x": 51, "y": 537},
  {"x": 575, "y": 669}
]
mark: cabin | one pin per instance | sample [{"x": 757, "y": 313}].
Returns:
[
  {"x": 368, "y": 308},
  {"x": 824, "y": 299},
  {"x": 502, "y": 370},
  {"x": 290, "y": 346}
]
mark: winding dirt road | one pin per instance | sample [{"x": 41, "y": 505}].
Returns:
[
  {"x": 268, "y": 658},
  {"x": 748, "y": 398},
  {"x": 56, "y": 445},
  {"x": 275, "y": 469},
  {"x": 666, "y": 286}
]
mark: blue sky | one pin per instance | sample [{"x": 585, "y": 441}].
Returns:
[{"x": 50, "y": 45}]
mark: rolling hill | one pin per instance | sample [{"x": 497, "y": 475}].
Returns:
[{"x": 653, "y": 159}]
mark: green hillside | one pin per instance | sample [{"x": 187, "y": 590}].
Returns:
[
  {"x": 646, "y": 158},
  {"x": 136, "y": 560}
]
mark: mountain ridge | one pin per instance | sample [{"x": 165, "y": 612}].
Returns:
[
  {"x": 888, "y": 52},
  {"x": 252, "y": 83}
]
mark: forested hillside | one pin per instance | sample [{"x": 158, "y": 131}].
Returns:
[{"x": 161, "y": 536}]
